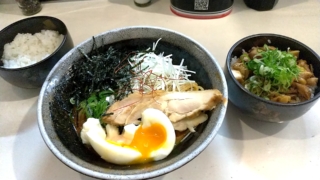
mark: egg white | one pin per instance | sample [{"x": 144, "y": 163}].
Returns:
[
  {"x": 115, "y": 151},
  {"x": 93, "y": 134}
]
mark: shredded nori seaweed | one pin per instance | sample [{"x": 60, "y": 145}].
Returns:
[{"x": 101, "y": 70}]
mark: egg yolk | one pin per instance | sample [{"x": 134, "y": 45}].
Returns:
[{"x": 148, "y": 139}]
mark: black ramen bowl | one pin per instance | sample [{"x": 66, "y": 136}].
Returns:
[
  {"x": 260, "y": 108},
  {"x": 54, "y": 107},
  {"x": 34, "y": 75}
]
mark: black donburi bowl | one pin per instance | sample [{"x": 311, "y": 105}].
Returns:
[
  {"x": 33, "y": 76},
  {"x": 257, "y": 107}
]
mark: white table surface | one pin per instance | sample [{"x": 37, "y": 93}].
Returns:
[{"x": 242, "y": 149}]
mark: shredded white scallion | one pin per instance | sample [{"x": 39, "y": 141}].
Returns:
[
  {"x": 155, "y": 45},
  {"x": 156, "y": 72}
]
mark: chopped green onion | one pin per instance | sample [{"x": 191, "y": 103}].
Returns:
[
  {"x": 96, "y": 105},
  {"x": 273, "y": 70}
]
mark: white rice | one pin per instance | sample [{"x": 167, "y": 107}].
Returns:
[{"x": 27, "y": 49}]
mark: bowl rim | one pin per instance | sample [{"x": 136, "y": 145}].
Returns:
[
  {"x": 7, "y": 28},
  {"x": 150, "y": 174},
  {"x": 229, "y": 60}
]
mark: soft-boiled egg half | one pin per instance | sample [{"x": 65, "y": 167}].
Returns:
[{"x": 152, "y": 140}]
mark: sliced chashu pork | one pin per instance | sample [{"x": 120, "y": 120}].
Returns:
[
  {"x": 184, "y": 109},
  {"x": 190, "y": 123}
]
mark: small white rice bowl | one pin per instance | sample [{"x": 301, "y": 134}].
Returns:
[{"x": 27, "y": 49}]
